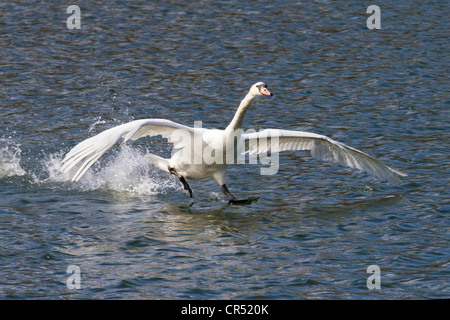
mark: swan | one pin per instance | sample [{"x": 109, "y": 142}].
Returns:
[{"x": 190, "y": 161}]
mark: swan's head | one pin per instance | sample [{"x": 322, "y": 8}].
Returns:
[{"x": 260, "y": 89}]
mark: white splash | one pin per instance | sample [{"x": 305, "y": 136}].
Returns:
[
  {"x": 10, "y": 160},
  {"x": 129, "y": 171},
  {"x": 98, "y": 121}
]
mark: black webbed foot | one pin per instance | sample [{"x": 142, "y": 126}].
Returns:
[
  {"x": 233, "y": 200},
  {"x": 243, "y": 201}
]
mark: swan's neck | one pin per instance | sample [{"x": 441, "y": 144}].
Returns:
[{"x": 236, "y": 123}]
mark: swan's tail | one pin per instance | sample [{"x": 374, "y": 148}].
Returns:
[{"x": 161, "y": 163}]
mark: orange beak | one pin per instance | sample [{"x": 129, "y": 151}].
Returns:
[{"x": 265, "y": 91}]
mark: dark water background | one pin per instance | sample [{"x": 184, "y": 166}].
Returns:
[{"x": 132, "y": 230}]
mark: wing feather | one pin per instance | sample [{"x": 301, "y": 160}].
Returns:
[
  {"x": 321, "y": 148},
  {"x": 90, "y": 150}
]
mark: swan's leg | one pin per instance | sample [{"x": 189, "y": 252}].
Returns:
[
  {"x": 227, "y": 193},
  {"x": 232, "y": 199},
  {"x": 182, "y": 179}
]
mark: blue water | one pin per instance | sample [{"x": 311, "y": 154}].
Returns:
[{"x": 134, "y": 233}]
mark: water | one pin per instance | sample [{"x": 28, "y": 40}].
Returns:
[{"x": 133, "y": 231}]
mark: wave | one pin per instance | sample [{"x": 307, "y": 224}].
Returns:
[
  {"x": 126, "y": 171},
  {"x": 10, "y": 159}
]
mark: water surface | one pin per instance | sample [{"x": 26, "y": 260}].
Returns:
[{"x": 133, "y": 231}]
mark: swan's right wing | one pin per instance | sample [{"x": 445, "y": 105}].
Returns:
[
  {"x": 321, "y": 147},
  {"x": 90, "y": 150}
]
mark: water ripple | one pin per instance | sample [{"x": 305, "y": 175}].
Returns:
[{"x": 316, "y": 228}]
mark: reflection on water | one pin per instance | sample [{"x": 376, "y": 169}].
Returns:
[{"x": 315, "y": 229}]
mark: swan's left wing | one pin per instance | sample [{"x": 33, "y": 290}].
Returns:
[{"x": 321, "y": 147}]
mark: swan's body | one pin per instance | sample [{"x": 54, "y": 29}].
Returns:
[{"x": 201, "y": 153}]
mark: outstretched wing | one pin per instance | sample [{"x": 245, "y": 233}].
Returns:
[
  {"x": 89, "y": 150},
  {"x": 321, "y": 147}
]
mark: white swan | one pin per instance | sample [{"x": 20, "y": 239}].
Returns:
[{"x": 189, "y": 159}]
